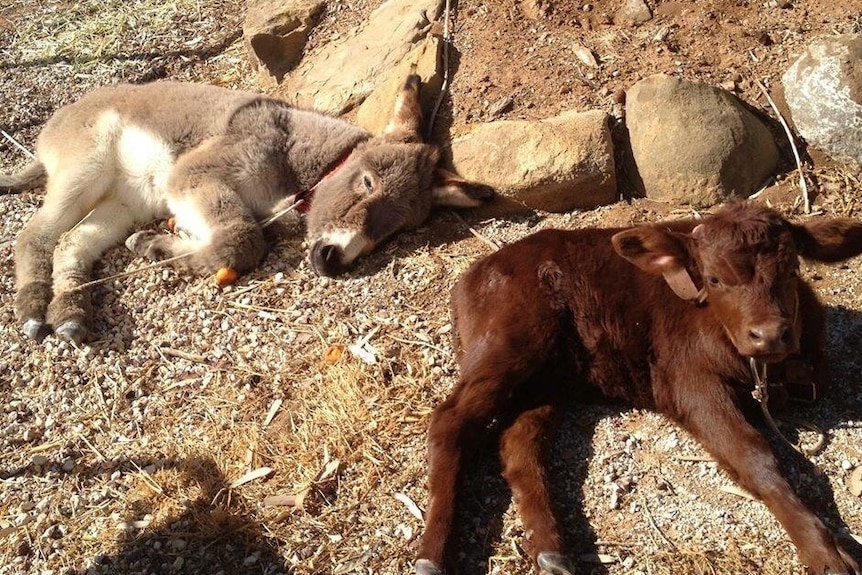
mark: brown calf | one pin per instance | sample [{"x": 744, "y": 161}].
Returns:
[{"x": 562, "y": 314}]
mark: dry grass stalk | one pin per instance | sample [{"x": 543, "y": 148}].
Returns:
[
  {"x": 15, "y": 143},
  {"x": 802, "y": 184}
]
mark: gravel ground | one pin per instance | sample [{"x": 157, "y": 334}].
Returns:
[{"x": 124, "y": 455}]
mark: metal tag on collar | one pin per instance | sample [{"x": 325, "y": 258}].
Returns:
[{"x": 758, "y": 372}]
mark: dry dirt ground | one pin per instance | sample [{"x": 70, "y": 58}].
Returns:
[{"x": 119, "y": 456}]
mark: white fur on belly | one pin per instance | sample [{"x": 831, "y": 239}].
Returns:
[{"x": 145, "y": 161}]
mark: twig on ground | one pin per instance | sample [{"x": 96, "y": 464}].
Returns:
[
  {"x": 655, "y": 526},
  {"x": 193, "y": 357},
  {"x": 488, "y": 241},
  {"x": 15, "y": 143},
  {"x": 695, "y": 458},
  {"x": 417, "y": 342},
  {"x": 92, "y": 447},
  {"x": 127, "y": 273},
  {"x": 805, "y": 198}
]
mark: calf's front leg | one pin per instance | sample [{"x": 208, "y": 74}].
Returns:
[{"x": 707, "y": 410}]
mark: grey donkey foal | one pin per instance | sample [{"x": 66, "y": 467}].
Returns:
[{"x": 220, "y": 162}]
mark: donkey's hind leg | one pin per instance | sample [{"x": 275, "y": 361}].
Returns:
[
  {"x": 70, "y": 311},
  {"x": 223, "y": 232},
  {"x": 69, "y": 196}
]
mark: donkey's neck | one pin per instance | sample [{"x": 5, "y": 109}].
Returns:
[{"x": 317, "y": 143}]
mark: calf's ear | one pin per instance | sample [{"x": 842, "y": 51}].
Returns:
[
  {"x": 450, "y": 189},
  {"x": 658, "y": 252},
  {"x": 831, "y": 240}
]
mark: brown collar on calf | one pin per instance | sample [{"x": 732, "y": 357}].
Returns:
[{"x": 683, "y": 286}]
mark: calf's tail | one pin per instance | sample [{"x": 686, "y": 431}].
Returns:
[{"x": 32, "y": 176}]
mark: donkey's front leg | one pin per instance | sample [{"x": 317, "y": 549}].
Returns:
[
  {"x": 219, "y": 231},
  {"x": 709, "y": 413}
]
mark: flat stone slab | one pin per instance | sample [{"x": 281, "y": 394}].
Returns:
[
  {"x": 343, "y": 74},
  {"x": 556, "y": 165},
  {"x": 275, "y": 33}
]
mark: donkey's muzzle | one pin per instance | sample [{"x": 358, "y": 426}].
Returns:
[{"x": 327, "y": 259}]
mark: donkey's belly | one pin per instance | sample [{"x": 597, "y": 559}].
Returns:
[{"x": 144, "y": 161}]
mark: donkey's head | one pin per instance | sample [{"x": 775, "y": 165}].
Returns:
[
  {"x": 745, "y": 260},
  {"x": 388, "y": 184}
]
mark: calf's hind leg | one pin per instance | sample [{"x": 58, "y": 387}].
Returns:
[
  {"x": 457, "y": 426},
  {"x": 523, "y": 448}
]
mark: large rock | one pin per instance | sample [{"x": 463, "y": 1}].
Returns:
[
  {"x": 376, "y": 111},
  {"x": 556, "y": 165},
  {"x": 275, "y": 33},
  {"x": 342, "y": 74},
  {"x": 696, "y": 144},
  {"x": 823, "y": 89}
]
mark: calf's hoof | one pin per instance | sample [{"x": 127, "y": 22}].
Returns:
[
  {"x": 832, "y": 560},
  {"x": 554, "y": 564},
  {"x": 426, "y": 567},
  {"x": 35, "y": 329},
  {"x": 71, "y": 331}
]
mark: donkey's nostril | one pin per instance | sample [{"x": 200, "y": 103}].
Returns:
[
  {"x": 755, "y": 335},
  {"x": 328, "y": 253},
  {"x": 326, "y": 259}
]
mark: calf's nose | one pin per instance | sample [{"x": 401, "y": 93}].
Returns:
[{"x": 770, "y": 337}]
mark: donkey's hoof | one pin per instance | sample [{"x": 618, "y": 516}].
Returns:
[
  {"x": 35, "y": 329},
  {"x": 554, "y": 564},
  {"x": 137, "y": 241},
  {"x": 426, "y": 567},
  {"x": 71, "y": 331}
]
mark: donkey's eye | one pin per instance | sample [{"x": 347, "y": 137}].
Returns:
[{"x": 369, "y": 185}]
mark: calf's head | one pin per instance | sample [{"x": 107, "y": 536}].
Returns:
[
  {"x": 388, "y": 184},
  {"x": 743, "y": 264}
]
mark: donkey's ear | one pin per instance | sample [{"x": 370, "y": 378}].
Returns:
[
  {"x": 449, "y": 189},
  {"x": 406, "y": 123},
  {"x": 658, "y": 252}
]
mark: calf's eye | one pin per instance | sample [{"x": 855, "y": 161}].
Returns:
[{"x": 713, "y": 281}]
